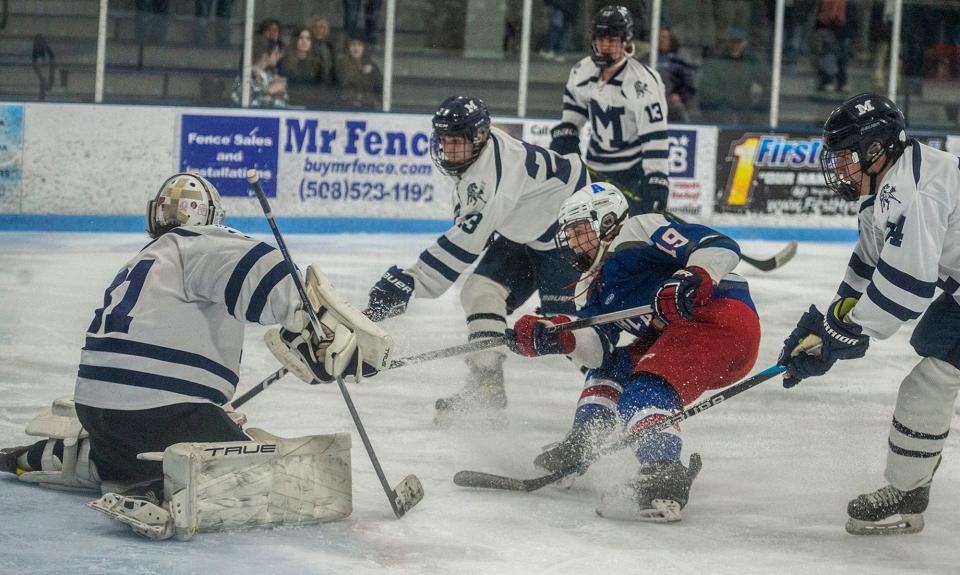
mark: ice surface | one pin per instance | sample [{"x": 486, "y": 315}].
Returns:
[{"x": 779, "y": 466}]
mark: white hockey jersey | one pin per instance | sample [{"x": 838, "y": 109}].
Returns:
[
  {"x": 172, "y": 322},
  {"x": 909, "y": 242},
  {"x": 627, "y": 115},
  {"x": 514, "y": 189}
]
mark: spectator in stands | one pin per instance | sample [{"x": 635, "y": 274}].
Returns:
[
  {"x": 733, "y": 87},
  {"x": 371, "y": 17},
  {"x": 151, "y": 20},
  {"x": 267, "y": 89},
  {"x": 563, "y": 17},
  {"x": 361, "y": 83},
  {"x": 202, "y": 9},
  {"x": 301, "y": 64},
  {"x": 320, "y": 28},
  {"x": 678, "y": 76},
  {"x": 835, "y": 27},
  {"x": 304, "y": 72},
  {"x": 270, "y": 29},
  {"x": 696, "y": 22}
]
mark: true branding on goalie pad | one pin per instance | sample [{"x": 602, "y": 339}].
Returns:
[{"x": 269, "y": 481}]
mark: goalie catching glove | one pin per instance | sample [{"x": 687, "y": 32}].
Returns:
[{"x": 351, "y": 345}]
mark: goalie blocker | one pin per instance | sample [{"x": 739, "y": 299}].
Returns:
[{"x": 230, "y": 485}]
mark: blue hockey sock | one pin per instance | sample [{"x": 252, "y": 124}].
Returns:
[{"x": 646, "y": 400}]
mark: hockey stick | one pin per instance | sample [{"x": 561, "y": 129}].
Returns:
[
  {"x": 408, "y": 492},
  {"x": 394, "y": 364},
  {"x": 491, "y": 481}
]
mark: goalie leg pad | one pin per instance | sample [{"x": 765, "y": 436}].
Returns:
[
  {"x": 229, "y": 485},
  {"x": 73, "y": 470}
]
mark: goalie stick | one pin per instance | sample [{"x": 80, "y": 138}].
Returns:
[
  {"x": 492, "y": 481},
  {"x": 408, "y": 492}
]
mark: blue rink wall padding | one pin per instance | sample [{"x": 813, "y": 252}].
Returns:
[{"x": 258, "y": 225}]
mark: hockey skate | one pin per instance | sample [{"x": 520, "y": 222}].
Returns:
[
  {"x": 482, "y": 399},
  {"x": 8, "y": 459},
  {"x": 580, "y": 444},
  {"x": 657, "y": 495},
  {"x": 869, "y": 511}
]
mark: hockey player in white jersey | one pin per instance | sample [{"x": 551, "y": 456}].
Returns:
[
  {"x": 162, "y": 355},
  {"x": 909, "y": 196},
  {"x": 625, "y": 103},
  {"x": 507, "y": 193}
]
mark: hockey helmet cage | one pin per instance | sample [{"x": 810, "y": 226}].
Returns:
[
  {"x": 185, "y": 199},
  {"x": 863, "y": 127},
  {"x": 463, "y": 116},
  {"x": 604, "y": 207}
]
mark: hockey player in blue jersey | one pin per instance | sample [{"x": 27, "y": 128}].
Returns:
[
  {"x": 625, "y": 103},
  {"x": 703, "y": 333},
  {"x": 506, "y": 197},
  {"x": 909, "y": 245},
  {"x": 162, "y": 355}
]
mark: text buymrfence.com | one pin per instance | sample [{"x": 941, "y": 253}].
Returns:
[{"x": 361, "y": 167}]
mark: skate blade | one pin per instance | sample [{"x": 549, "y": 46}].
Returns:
[
  {"x": 626, "y": 509},
  {"x": 908, "y": 523},
  {"x": 117, "y": 507}
]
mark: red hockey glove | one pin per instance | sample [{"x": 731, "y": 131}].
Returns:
[
  {"x": 680, "y": 295},
  {"x": 529, "y": 336}
]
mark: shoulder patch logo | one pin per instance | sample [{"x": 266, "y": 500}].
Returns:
[
  {"x": 475, "y": 194},
  {"x": 886, "y": 194},
  {"x": 640, "y": 87}
]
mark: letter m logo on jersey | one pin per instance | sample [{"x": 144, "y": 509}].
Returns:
[{"x": 607, "y": 123}]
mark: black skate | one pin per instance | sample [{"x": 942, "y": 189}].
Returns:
[
  {"x": 657, "y": 495},
  {"x": 868, "y": 511},
  {"x": 580, "y": 444},
  {"x": 482, "y": 398},
  {"x": 9, "y": 456}
]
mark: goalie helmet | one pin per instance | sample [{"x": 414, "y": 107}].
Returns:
[
  {"x": 854, "y": 136},
  {"x": 611, "y": 22},
  {"x": 185, "y": 199},
  {"x": 459, "y": 116},
  {"x": 588, "y": 222}
]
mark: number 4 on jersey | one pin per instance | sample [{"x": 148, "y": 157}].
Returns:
[{"x": 119, "y": 318}]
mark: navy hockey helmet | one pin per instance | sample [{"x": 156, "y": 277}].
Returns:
[
  {"x": 459, "y": 116},
  {"x": 611, "y": 22},
  {"x": 857, "y": 132},
  {"x": 186, "y": 199}
]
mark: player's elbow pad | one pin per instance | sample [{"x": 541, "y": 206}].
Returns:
[{"x": 565, "y": 138}]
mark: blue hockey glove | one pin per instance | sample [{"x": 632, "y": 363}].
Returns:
[
  {"x": 390, "y": 295},
  {"x": 679, "y": 296},
  {"x": 654, "y": 191},
  {"x": 839, "y": 340}
]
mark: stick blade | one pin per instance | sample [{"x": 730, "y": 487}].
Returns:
[
  {"x": 778, "y": 260},
  {"x": 408, "y": 493},
  {"x": 488, "y": 481}
]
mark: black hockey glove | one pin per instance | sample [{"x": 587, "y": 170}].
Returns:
[
  {"x": 390, "y": 295},
  {"x": 839, "y": 340},
  {"x": 654, "y": 192},
  {"x": 565, "y": 138}
]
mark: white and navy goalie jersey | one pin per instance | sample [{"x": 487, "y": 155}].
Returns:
[
  {"x": 171, "y": 326},
  {"x": 909, "y": 242},
  {"x": 514, "y": 189},
  {"x": 627, "y": 115}
]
